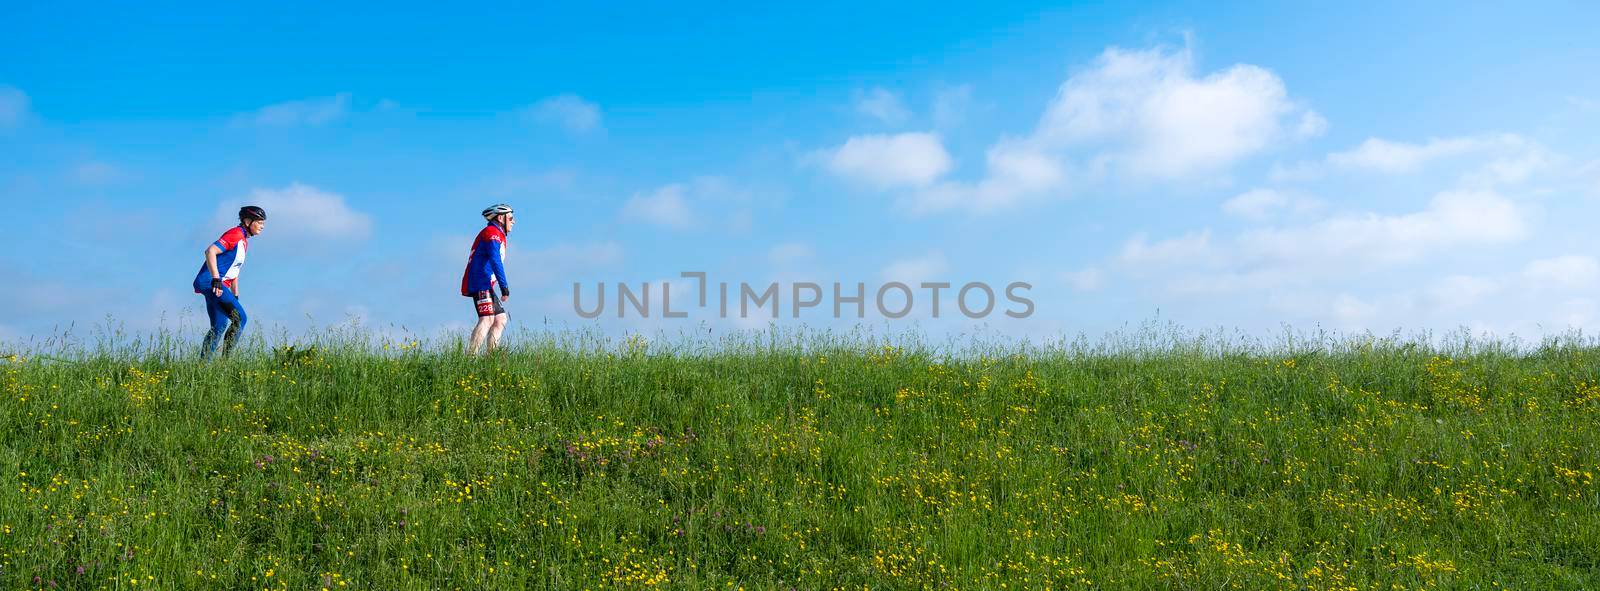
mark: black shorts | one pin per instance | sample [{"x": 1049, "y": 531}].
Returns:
[{"x": 487, "y": 303}]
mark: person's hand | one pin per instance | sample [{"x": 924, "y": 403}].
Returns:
[{"x": 216, "y": 287}]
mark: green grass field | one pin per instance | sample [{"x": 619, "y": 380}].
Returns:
[{"x": 787, "y": 465}]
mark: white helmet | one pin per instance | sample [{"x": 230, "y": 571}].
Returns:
[{"x": 496, "y": 209}]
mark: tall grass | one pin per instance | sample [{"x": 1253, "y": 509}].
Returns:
[{"x": 777, "y": 460}]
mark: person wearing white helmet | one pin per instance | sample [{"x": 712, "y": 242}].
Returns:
[{"x": 485, "y": 278}]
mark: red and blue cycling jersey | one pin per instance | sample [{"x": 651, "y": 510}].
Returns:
[
  {"x": 233, "y": 245},
  {"x": 486, "y": 268}
]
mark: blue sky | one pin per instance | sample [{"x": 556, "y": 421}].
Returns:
[{"x": 1421, "y": 167}]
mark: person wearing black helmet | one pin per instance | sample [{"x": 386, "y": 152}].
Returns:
[
  {"x": 218, "y": 280},
  {"x": 486, "y": 275}
]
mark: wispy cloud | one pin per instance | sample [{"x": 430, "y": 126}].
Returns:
[
  {"x": 1263, "y": 204},
  {"x": 1090, "y": 279},
  {"x": 1570, "y": 272},
  {"x": 1189, "y": 248},
  {"x": 567, "y": 111},
  {"x": 889, "y": 161},
  {"x": 882, "y": 105},
  {"x": 1451, "y": 219},
  {"x": 1016, "y": 170},
  {"x": 1384, "y": 156},
  {"x": 665, "y": 206},
  {"x": 1336, "y": 245},
  {"x": 300, "y": 216},
  {"x": 703, "y": 202},
  {"x": 303, "y": 112}
]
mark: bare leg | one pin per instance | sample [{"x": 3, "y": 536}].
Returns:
[
  {"x": 495, "y": 330},
  {"x": 479, "y": 333}
]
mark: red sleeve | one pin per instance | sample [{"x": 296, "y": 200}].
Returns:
[{"x": 230, "y": 239}]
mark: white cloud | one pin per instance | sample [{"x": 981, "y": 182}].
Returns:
[
  {"x": 1189, "y": 248},
  {"x": 1563, "y": 272},
  {"x": 882, "y": 105},
  {"x": 1502, "y": 311},
  {"x": 1138, "y": 114},
  {"x": 1016, "y": 170},
  {"x": 664, "y": 207},
  {"x": 311, "y": 111},
  {"x": 1484, "y": 304},
  {"x": 300, "y": 215},
  {"x": 1513, "y": 158},
  {"x": 1347, "y": 286},
  {"x": 1516, "y": 162},
  {"x": 1311, "y": 125},
  {"x": 1257, "y": 204},
  {"x": 720, "y": 189},
  {"x": 1157, "y": 118},
  {"x": 1264, "y": 204},
  {"x": 889, "y": 161},
  {"x": 1344, "y": 245},
  {"x": 916, "y": 270},
  {"x": 1382, "y": 155},
  {"x": 1351, "y": 311},
  {"x": 702, "y": 202},
  {"x": 1459, "y": 292},
  {"x": 1576, "y": 312},
  {"x": 1452, "y": 219},
  {"x": 1296, "y": 172},
  {"x": 569, "y": 111},
  {"x": 1371, "y": 270},
  {"x": 1090, "y": 279},
  {"x": 13, "y": 107}
]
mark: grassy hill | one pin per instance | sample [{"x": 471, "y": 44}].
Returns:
[{"x": 1365, "y": 465}]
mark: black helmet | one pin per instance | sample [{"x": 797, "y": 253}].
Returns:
[{"x": 252, "y": 213}]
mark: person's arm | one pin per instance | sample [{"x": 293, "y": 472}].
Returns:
[
  {"x": 499, "y": 266},
  {"x": 211, "y": 263}
]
